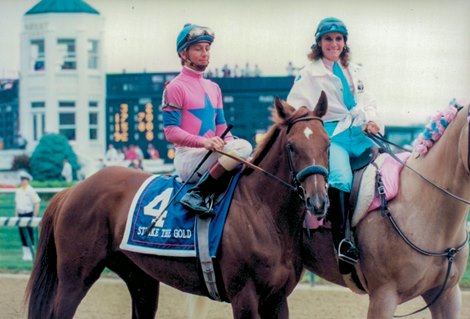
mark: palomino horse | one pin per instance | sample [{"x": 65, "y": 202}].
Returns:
[
  {"x": 390, "y": 270},
  {"x": 259, "y": 255}
]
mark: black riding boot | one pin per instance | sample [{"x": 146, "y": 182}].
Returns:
[
  {"x": 200, "y": 198},
  {"x": 340, "y": 220}
]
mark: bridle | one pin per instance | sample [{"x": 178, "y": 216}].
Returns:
[
  {"x": 297, "y": 177},
  {"x": 384, "y": 144},
  {"x": 449, "y": 253}
]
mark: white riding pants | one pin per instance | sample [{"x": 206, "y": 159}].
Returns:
[{"x": 187, "y": 159}]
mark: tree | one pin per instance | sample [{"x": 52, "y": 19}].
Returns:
[{"x": 47, "y": 159}]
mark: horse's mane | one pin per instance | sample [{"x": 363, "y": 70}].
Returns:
[
  {"x": 271, "y": 136},
  {"x": 435, "y": 128}
]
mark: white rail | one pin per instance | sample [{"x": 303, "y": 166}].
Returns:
[
  {"x": 39, "y": 190},
  {"x": 19, "y": 221}
]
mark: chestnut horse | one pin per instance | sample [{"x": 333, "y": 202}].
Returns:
[
  {"x": 258, "y": 257},
  {"x": 390, "y": 270}
]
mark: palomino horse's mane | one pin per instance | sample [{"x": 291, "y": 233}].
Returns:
[
  {"x": 435, "y": 128},
  {"x": 271, "y": 136}
]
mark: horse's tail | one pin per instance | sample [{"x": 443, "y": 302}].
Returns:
[{"x": 42, "y": 284}]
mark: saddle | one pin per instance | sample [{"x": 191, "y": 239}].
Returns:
[{"x": 358, "y": 166}]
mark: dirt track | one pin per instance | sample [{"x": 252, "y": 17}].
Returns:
[{"x": 110, "y": 299}]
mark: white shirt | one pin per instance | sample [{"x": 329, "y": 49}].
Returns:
[
  {"x": 67, "y": 172},
  {"x": 112, "y": 155},
  {"x": 25, "y": 198},
  {"x": 315, "y": 78}
]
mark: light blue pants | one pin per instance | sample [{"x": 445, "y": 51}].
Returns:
[{"x": 347, "y": 144}]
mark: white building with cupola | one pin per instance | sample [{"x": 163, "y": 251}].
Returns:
[{"x": 63, "y": 80}]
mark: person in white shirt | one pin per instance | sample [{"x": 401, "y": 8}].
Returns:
[
  {"x": 67, "y": 172},
  {"x": 26, "y": 205},
  {"x": 351, "y": 110},
  {"x": 111, "y": 154}
]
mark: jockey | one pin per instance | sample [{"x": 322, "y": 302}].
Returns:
[
  {"x": 351, "y": 110},
  {"x": 193, "y": 119}
]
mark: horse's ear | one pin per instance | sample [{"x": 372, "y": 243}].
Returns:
[
  {"x": 279, "y": 113},
  {"x": 322, "y": 105}
]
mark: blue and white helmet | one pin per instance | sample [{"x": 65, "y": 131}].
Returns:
[
  {"x": 191, "y": 34},
  {"x": 331, "y": 24}
]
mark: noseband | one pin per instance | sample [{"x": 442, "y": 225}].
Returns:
[{"x": 299, "y": 177}]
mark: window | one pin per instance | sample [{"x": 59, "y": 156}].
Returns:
[
  {"x": 37, "y": 55},
  {"x": 93, "y": 54},
  {"x": 67, "y": 54},
  {"x": 66, "y": 104},
  {"x": 39, "y": 125},
  {"x": 67, "y": 125},
  {"x": 93, "y": 125},
  {"x": 93, "y": 104},
  {"x": 38, "y": 105}
]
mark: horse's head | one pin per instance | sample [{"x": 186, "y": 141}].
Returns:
[{"x": 307, "y": 146}]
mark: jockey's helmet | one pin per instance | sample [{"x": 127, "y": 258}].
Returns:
[
  {"x": 331, "y": 24},
  {"x": 191, "y": 34}
]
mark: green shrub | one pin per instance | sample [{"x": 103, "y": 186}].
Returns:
[{"x": 47, "y": 159}]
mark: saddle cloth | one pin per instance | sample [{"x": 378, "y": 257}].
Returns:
[
  {"x": 174, "y": 233},
  {"x": 368, "y": 199}
]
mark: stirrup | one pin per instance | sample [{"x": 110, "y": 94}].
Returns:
[
  {"x": 209, "y": 213},
  {"x": 348, "y": 248}
]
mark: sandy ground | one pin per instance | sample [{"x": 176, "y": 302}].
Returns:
[{"x": 109, "y": 299}]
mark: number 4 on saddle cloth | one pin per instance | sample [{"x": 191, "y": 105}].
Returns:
[{"x": 174, "y": 233}]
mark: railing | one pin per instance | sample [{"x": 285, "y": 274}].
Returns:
[{"x": 23, "y": 222}]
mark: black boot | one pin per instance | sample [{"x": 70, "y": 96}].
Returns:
[
  {"x": 199, "y": 198},
  {"x": 340, "y": 221}
]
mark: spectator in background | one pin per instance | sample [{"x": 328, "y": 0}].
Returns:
[
  {"x": 247, "y": 71},
  {"x": 67, "y": 172},
  {"x": 111, "y": 154},
  {"x": 257, "y": 72},
  {"x": 139, "y": 152},
  {"x": 236, "y": 71},
  {"x": 131, "y": 154},
  {"x": 290, "y": 68},
  {"x": 152, "y": 152},
  {"x": 226, "y": 71},
  {"x": 26, "y": 205},
  {"x": 121, "y": 155}
]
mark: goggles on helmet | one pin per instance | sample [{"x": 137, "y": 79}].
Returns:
[
  {"x": 334, "y": 25},
  {"x": 191, "y": 34},
  {"x": 198, "y": 32}
]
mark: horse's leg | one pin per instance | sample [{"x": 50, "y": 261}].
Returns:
[
  {"x": 72, "y": 289},
  {"x": 245, "y": 303},
  {"x": 144, "y": 289},
  {"x": 275, "y": 307},
  {"x": 197, "y": 306},
  {"x": 449, "y": 304},
  {"x": 382, "y": 304}
]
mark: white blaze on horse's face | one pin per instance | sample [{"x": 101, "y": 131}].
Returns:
[{"x": 308, "y": 132}]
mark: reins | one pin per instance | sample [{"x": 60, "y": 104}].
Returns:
[
  {"x": 297, "y": 177},
  {"x": 383, "y": 143},
  {"x": 449, "y": 253}
]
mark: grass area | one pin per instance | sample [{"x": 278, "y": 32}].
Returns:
[{"x": 11, "y": 252}]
